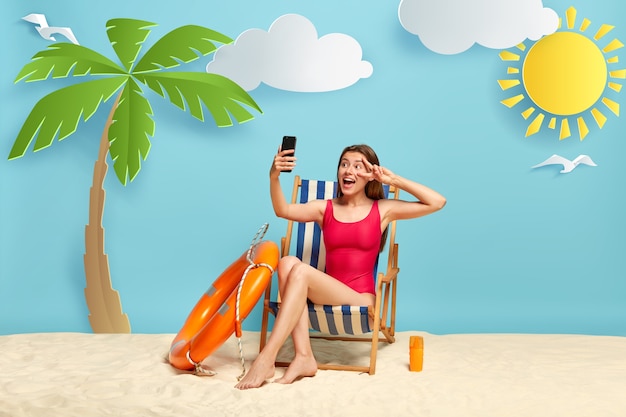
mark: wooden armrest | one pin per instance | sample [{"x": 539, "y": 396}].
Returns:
[{"x": 389, "y": 276}]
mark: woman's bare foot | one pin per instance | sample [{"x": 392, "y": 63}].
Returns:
[
  {"x": 300, "y": 367},
  {"x": 261, "y": 370}
]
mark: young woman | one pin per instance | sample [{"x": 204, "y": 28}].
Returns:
[{"x": 353, "y": 224}]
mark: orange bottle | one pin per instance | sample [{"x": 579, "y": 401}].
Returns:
[{"x": 416, "y": 353}]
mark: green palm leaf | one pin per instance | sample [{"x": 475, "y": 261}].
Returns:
[
  {"x": 61, "y": 59},
  {"x": 181, "y": 44},
  {"x": 127, "y": 36},
  {"x": 128, "y": 135},
  {"x": 192, "y": 89},
  {"x": 60, "y": 111}
]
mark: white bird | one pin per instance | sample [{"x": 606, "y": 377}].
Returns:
[
  {"x": 568, "y": 166},
  {"x": 46, "y": 31}
]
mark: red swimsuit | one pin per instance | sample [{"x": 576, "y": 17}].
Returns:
[{"x": 352, "y": 248}]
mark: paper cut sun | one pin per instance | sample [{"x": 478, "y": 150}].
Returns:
[{"x": 564, "y": 77}]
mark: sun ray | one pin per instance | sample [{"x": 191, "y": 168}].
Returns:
[
  {"x": 604, "y": 29},
  {"x": 585, "y": 24},
  {"x": 613, "y": 106},
  {"x": 612, "y": 46},
  {"x": 565, "y": 132},
  {"x": 552, "y": 123},
  {"x": 535, "y": 125},
  {"x": 509, "y": 56},
  {"x": 528, "y": 112},
  {"x": 583, "y": 130},
  {"x": 618, "y": 74},
  {"x": 598, "y": 117},
  {"x": 512, "y": 101},
  {"x": 546, "y": 95},
  {"x": 506, "y": 84},
  {"x": 571, "y": 17}
]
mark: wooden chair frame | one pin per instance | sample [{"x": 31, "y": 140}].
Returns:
[{"x": 383, "y": 311}]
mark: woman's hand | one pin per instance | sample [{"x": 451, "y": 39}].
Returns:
[
  {"x": 376, "y": 172},
  {"x": 427, "y": 200},
  {"x": 283, "y": 161}
]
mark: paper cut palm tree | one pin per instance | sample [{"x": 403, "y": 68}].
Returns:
[{"x": 128, "y": 128}]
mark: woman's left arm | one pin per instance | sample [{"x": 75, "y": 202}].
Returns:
[{"x": 428, "y": 200}]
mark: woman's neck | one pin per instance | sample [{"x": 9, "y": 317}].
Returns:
[{"x": 360, "y": 199}]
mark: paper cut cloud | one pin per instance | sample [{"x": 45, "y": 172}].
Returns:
[
  {"x": 290, "y": 56},
  {"x": 453, "y": 26}
]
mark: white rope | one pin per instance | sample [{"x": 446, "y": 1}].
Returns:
[
  {"x": 257, "y": 238},
  {"x": 198, "y": 369}
]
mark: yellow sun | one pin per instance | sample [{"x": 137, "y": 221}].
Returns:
[{"x": 564, "y": 75}]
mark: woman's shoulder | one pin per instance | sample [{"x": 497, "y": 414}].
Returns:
[{"x": 385, "y": 205}]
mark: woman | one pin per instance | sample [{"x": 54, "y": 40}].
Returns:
[{"x": 353, "y": 224}]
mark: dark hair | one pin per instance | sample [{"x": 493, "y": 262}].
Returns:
[{"x": 373, "y": 189}]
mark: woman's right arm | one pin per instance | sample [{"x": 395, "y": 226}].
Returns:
[{"x": 309, "y": 212}]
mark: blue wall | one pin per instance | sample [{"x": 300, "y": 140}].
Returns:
[{"x": 514, "y": 250}]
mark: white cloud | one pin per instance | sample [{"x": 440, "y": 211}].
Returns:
[
  {"x": 290, "y": 56},
  {"x": 453, "y": 26}
]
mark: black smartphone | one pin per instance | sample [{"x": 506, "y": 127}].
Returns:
[{"x": 289, "y": 142}]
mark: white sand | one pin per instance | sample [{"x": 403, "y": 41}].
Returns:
[{"x": 74, "y": 374}]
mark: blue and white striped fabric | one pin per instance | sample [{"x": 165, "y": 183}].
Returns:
[
  {"x": 336, "y": 320},
  {"x": 310, "y": 246},
  {"x": 333, "y": 320}
]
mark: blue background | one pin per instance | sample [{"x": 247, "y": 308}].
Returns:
[{"x": 514, "y": 250}]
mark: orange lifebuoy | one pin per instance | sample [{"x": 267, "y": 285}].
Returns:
[{"x": 213, "y": 319}]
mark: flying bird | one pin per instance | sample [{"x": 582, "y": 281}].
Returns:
[
  {"x": 46, "y": 31},
  {"x": 568, "y": 166}
]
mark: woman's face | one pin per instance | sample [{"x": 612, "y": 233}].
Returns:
[{"x": 350, "y": 166}]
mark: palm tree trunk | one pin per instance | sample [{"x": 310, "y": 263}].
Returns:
[{"x": 103, "y": 301}]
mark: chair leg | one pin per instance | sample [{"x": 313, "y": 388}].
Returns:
[
  {"x": 265, "y": 321},
  {"x": 376, "y": 330},
  {"x": 373, "y": 353},
  {"x": 263, "y": 339},
  {"x": 392, "y": 325}
]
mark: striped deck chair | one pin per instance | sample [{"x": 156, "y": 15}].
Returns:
[{"x": 347, "y": 323}]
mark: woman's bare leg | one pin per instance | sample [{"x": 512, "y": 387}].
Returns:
[
  {"x": 303, "y": 363},
  {"x": 291, "y": 311},
  {"x": 302, "y": 282}
]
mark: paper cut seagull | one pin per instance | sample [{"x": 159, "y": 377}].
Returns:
[
  {"x": 568, "y": 166},
  {"x": 46, "y": 31}
]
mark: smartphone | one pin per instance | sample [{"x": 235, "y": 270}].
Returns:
[{"x": 289, "y": 142}]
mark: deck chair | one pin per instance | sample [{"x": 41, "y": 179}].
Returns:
[{"x": 346, "y": 323}]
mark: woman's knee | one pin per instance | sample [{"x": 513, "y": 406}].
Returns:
[{"x": 285, "y": 266}]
